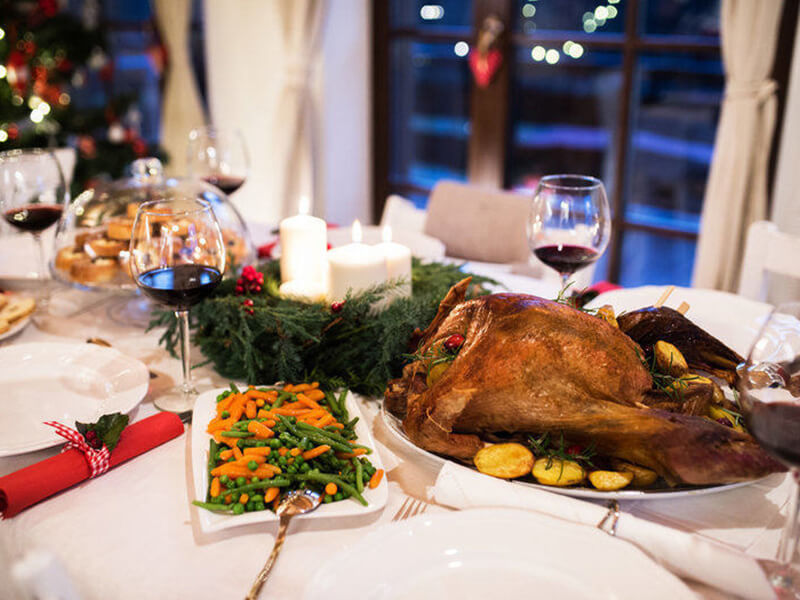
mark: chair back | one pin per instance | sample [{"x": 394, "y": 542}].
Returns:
[
  {"x": 767, "y": 250},
  {"x": 478, "y": 223}
]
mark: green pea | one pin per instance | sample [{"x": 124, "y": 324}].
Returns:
[
  {"x": 240, "y": 481},
  {"x": 224, "y": 479},
  {"x": 230, "y": 484},
  {"x": 238, "y": 509},
  {"x": 260, "y": 506},
  {"x": 304, "y": 468},
  {"x": 261, "y": 443},
  {"x": 257, "y": 498},
  {"x": 327, "y": 499},
  {"x": 338, "y": 496},
  {"x": 250, "y": 506},
  {"x": 273, "y": 443},
  {"x": 235, "y": 496},
  {"x": 252, "y": 465},
  {"x": 225, "y": 414},
  {"x": 254, "y": 480}
]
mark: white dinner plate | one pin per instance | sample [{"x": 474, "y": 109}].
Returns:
[
  {"x": 205, "y": 410},
  {"x": 492, "y": 553},
  {"x": 16, "y": 328},
  {"x": 732, "y": 319},
  {"x": 62, "y": 382}
]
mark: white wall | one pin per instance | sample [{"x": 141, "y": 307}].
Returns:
[
  {"x": 245, "y": 61},
  {"x": 786, "y": 188}
]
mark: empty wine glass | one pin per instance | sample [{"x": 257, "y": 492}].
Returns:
[
  {"x": 219, "y": 157},
  {"x": 570, "y": 223},
  {"x": 769, "y": 387},
  {"x": 33, "y": 195},
  {"x": 177, "y": 259}
]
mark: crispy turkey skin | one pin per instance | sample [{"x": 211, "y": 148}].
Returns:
[{"x": 534, "y": 365}]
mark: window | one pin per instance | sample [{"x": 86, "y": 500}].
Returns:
[{"x": 626, "y": 90}]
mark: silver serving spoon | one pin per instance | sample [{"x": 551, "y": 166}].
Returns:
[{"x": 295, "y": 503}]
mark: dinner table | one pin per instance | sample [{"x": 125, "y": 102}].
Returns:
[{"x": 133, "y": 532}]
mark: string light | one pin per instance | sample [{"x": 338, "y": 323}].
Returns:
[
  {"x": 3, "y": 72},
  {"x": 612, "y": 12},
  {"x": 34, "y": 102},
  {"x": 567, "y": 46},
  {"x": 36, "y": 116},
  {"x": 538, "y": 53},
  {"x": 601, "y": 13},
  {"x": 2, "y": 33},
  {"x": 431, "y": 12},
  {"x": 552, "y": 56},
  {"x": 3, "y": 135},
  {"x": 461, "y": 48},
  {"x": 43, "y": 108},
  {"x": 528, "y": 11},
  {"x": 575, "y": 51},
  {"x": 589, "y": 25},
  {"x": 64, "y": 98}
]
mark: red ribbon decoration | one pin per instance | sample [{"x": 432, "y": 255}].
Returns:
[{"x": 98, "y": 460}]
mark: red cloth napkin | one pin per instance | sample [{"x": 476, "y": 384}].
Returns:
[
  {"x": 34, "y": 483},
  {"x": 601, "y": 287}
]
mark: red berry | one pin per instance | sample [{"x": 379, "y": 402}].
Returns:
[
  {"x": 337, "y": 307},
  {"x": 574, "y": 450},
  {"x": 258, "y": 288},
  {"x": 91, "y": 434},
  {"x": 248, "y": 302},
  {"x": 260, "y": 278},
  {"x": 454, "y": 341},
  {"x": 250, "y": 311}
]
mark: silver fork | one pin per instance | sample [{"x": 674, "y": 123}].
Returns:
[{"x": 410, "y": 508}]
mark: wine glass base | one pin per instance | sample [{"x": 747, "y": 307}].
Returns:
[
  {"x": 176, "y": 400},
  {"x": 133, "y": 312}
]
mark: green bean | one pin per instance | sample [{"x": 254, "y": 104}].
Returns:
[
  {"x": 279, "y": 481},
  {"x": 359, "y": 475},
  {"x": 343, "y": 444},
  {"x": 235, "y": 389},
  {"x": 325, "y": 478},
  {"x": 212, "y": 507},
  {"x": 342, "y": 404},
  {"x": 213, "y": 448},
  {"x": 236, "y": 434},
  {"x": 319, "y": 437},
  {"x": 282, "y": 397}
]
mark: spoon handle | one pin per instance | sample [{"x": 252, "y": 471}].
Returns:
[{"x": 276, "y": 549}]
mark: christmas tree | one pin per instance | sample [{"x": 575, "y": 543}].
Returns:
[{"x": 55, "y": 90}]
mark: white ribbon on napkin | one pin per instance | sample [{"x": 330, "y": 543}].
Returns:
[{"x": 685, "y": 554}]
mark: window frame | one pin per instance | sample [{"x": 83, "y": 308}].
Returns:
[{"x": 490, "y": 127}]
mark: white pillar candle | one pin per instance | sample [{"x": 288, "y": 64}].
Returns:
[
  {"x": 304, "y": 243},
  {"x": 398, "y": 262},
  {"x": 355, "y": 267},
  {"x": 303, "y": 290}
]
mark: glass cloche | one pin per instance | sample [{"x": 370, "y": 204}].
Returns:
[{"x": 93, "y": 236}]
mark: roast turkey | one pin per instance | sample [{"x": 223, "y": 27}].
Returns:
[{"x": 533, "y": 365}]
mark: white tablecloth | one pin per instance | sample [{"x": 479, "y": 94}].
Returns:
[{"x": 133, "y": 534}]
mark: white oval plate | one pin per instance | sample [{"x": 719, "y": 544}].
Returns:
[
  {"x": 204, "y": 411},
  {"x": 492, "y": 553},
  {"x": 62, "y": 382},
  {"x": 16, "y": 328},
  {"x": 732, "y": 319}
]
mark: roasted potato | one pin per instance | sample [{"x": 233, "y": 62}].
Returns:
[
  {"x": 435, "y": 372},
  {"x": 558, "y": 472},
  {"x": 607, "y": 314},
  {"x": 504, "y": 460},
  {"x": 642, "y": 476},
  {"x": 715, "y": 414},
  {"x": 669, "y": 359},
  {"x": 609, "y": 481}
]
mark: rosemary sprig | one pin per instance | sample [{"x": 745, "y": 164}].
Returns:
[
  {"x": 737, "y": 417},
  {"x": 572, "y": 300},
  {"x": 667, "y": 384},
  {"x": 543, "y": 447}
]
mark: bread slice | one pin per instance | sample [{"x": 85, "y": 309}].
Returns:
[{"x": 17, "y": 308}]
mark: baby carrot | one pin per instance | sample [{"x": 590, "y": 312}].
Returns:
[
  {"x": 271, "y": 494},
  {"x": 315, "y": 452},
  {"x": 303, "y": 399},
  {"x": 326, "y": 420},
  {"x": 301, "y": 387},
  {"x": 257, "y": 451},
  {"x": 260, "y": 402},
  {"x": 331, "y": 488},
  {"x": 315, "y": 395},
  {"x": 226, "y": 454},
  {"x": 237, "y": 453},
  {"x": 250, "y": 409},
  {"x": 215, "y": 487},
  {"x": 283, "y": 451},
  {"x": 270, "y": 422},
  {"x": 261, "y": 431},
  {"x": 375, "y": 480},
  {"x": 265, "y": 414},
  {"x": 244, "y": 498},
  {"x": 295, "y": 451}
]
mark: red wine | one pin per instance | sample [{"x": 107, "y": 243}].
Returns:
[
  {"x": 34, "y": 217},
  {"x": 776, "y": 426},
  {"x": 566, "y": 259},
  {"x": 227, "y": 183},
  {"x": 180, "y": 286}
]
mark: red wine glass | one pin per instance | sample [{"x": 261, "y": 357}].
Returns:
[
  {"x": 177, "y": 259},
  {"x": 769, "y": 396},
  {"x": 219, "y": 157},
  {"x": 569, "y": 223},
  {"x": 33, "y": 195}
]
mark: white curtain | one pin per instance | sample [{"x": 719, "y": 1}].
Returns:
[
  {"x": 181, "y": 110},
  {"x": 295, "y": 118},
  {"x": 736, "y": 192}
]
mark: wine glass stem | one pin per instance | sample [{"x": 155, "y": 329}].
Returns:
[
  {"x": 43, "y": 277},
  {"x": 183, "y": 318},
  {"x": 788, "y": 543},
  {"x": 564, "y": 280}
]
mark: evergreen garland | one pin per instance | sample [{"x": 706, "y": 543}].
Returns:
[{"x": 276, "y": 339}]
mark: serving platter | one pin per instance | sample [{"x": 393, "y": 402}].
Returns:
[
  {"x": 45, "y": 381},
  {"x": 204, "y": 411},
  {"x": 732, "y": 319},
  {"x": 492, "y": 553}
]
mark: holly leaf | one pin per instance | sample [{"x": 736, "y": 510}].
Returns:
[{"x": 108, "y": 428}]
